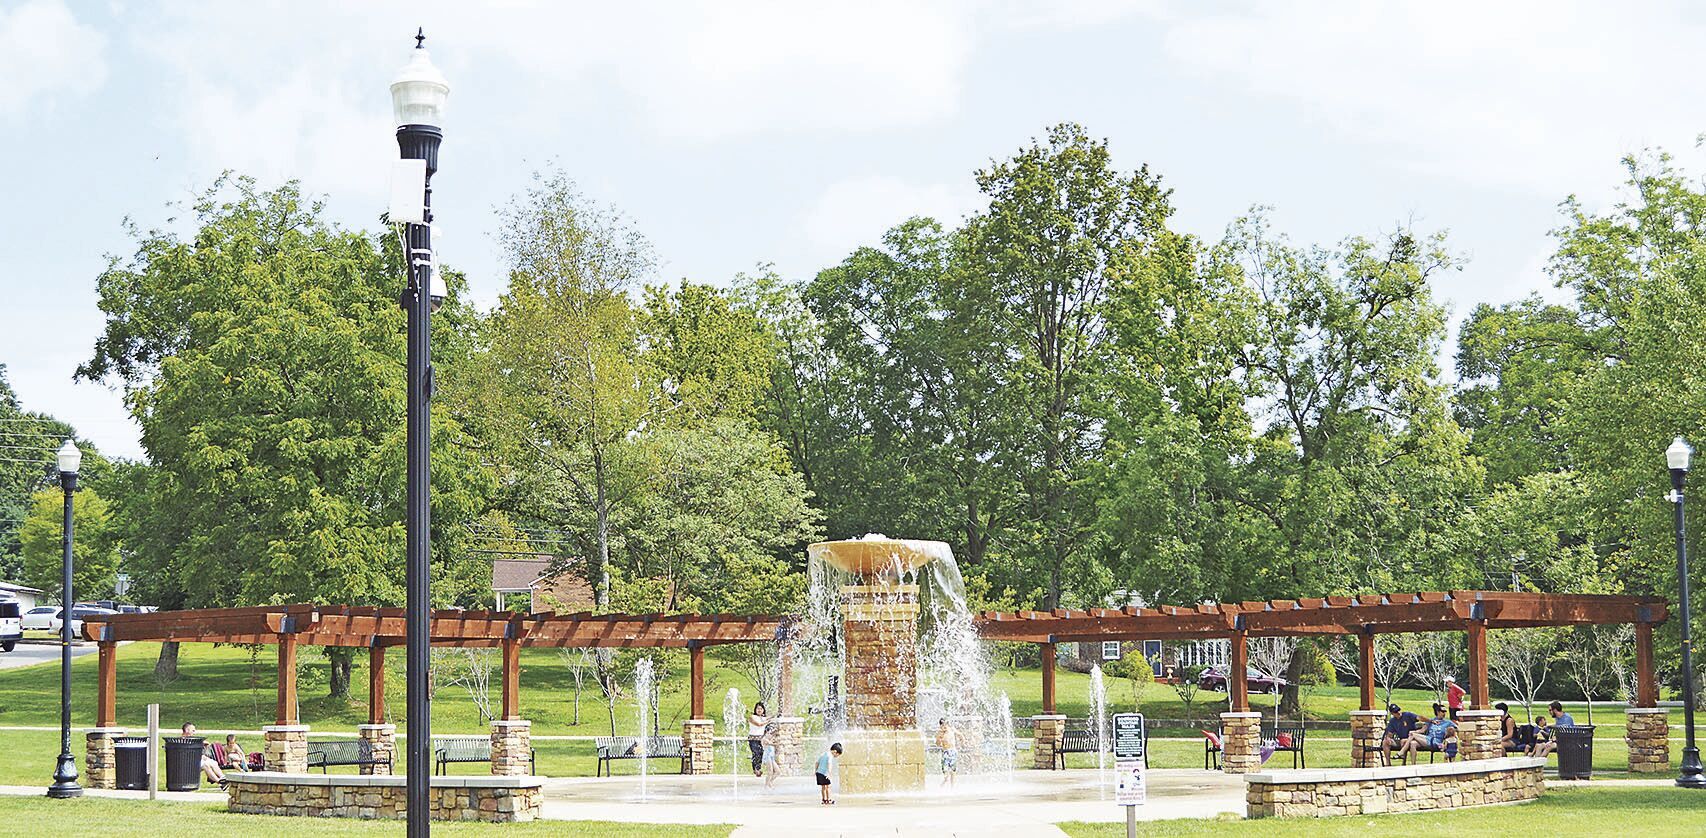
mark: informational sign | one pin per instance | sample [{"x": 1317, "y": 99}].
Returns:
[
  {"x": 1128, "y": 736},
  {"x": 1129, "y": 788}
]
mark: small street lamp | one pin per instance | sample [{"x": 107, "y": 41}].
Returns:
[
  {"x": 1677, "y": 456},
  {"x": 65, "y": 776},
  {"x": 418, "y": 98}
]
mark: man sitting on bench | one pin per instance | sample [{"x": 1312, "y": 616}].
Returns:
[
  {"x": 1399, "y": 725},
  {"x": 1439, "y": 729}
]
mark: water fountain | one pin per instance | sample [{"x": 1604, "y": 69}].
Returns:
[
  {"x": 1099, "y": 718},
  {"x": 734, "y": 724},
  {"x": 643, "y": 702}
]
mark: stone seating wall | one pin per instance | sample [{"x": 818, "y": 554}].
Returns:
[
  {"x": 493, "y": 799},
  {"x": 1399, "y": 788}
]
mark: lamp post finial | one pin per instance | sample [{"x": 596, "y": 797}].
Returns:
[{"x": 420, "y": 38}]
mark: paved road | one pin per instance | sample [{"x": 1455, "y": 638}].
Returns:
[{"x": 28, "y": 654}]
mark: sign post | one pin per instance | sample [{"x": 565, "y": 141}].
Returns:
[{"x": 1130, "y": 790}]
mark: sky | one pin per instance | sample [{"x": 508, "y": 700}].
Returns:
[{"x": 737, "y": 134}]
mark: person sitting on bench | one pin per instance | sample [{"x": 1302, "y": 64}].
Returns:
[
  {"x": 1509, "y": 738},
  {"x": 1431, "y": 739},
  {"x": 1543, "y": 745},
  {"x": 209, "y": 766},
  {"x": 1399, "y": 725}
]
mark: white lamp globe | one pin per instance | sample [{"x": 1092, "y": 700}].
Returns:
[
  {"x": 419, "y": 93},
  {"x": 1677, "y": 454},
  {"x": 70, "y": 458}
]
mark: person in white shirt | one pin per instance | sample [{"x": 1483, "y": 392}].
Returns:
[{"x": 755, "y": 725}]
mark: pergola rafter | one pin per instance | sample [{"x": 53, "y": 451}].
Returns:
[
  {"x": 350, "y": 626},
  {"x": 1472, "y": 612}
]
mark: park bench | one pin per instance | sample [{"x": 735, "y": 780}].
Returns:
[
  {"x": 327, "y": 753},
  {"x": 1278, "y": 738},
  {"x": 612, "y": 748},
  {"x": 1080, "y": 738},
  {"x": 451, "y": 749}
]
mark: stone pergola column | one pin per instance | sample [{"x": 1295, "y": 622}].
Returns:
[
  {"x": 1648, "y": 725},
  {"x": 1241, "y": 730},
  {"x": 512, "y": 736},
  {"x": 1047, "y": 730},
  {"x": 1478, "y": 733},
  {"x": 100, "y": 763},
  {"x": 790, "y": 744},
  {"x": 286, "y": 743},
  {"x": 1366, "y": 722},
  {"x": 698, "y": 733},
  {"x": 381, "y": 738}
]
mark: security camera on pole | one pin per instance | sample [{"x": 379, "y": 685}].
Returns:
[{"x": 418, "y": 97}]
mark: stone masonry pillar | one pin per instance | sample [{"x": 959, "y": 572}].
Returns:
[
  {"x": 699, "y": 742},
  {"x": 1367, "y": 726},
  {"x": 1478, "y": 734},
  {"x": 1046, "y": 733},
  {"x": 285, "y": 748},
  {"x": 1241, "y": 745},
  {"x": 1648, "y": 735},
  {"x": 881, "y": 641},
  {"x": 101, "y": 765},
  {"x": 512, "y": 747},
  {"x": 790, "y": 744},
  {"x": 382, "y": 742}
]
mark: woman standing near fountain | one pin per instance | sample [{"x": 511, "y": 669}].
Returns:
[{"x": 755, "y": 725}]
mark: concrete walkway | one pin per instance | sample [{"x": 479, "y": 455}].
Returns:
[
  {"x": 30, "y": 654},
  {"x": 1031, "y": 805},
  {"x": 172, "y": 796}
]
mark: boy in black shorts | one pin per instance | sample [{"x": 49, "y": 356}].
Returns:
[{"x": 824, "y": 761}]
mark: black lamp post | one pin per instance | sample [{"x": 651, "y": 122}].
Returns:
[
  {"x": 418, "y": 97},
  {"x": 65, "y": 776},
  {"x": 1677, "y": 456}
]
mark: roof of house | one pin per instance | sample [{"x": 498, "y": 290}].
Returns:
[
  {"x": 13, "y": 586},
  {"x": 518, "y": 574}
]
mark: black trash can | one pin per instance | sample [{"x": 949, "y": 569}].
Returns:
[
  {"x": 183, "y": 763},
  {"x": 1575, "y": 751},
  {"x": 130, "y": 756}
]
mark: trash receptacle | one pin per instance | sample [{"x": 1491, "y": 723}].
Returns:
[
  {"x": 130, "y": 756},
  {"x": 1575, "y": 751},
  {"x": 183, "y": 763}
]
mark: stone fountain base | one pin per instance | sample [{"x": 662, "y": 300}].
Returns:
[{"x": 875, "y": 761}]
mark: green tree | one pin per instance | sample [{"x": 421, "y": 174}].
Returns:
[
  {"x": 94, "y": 548},
  {"x": 1062, "y": 224},
  {"x": 263, "y": 359}
]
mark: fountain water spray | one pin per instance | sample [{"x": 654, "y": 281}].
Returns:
[
  {"x": 643, "y": 701},
  {"x": 1099, "y": 718},
  {"x": 734, "y": 724}
]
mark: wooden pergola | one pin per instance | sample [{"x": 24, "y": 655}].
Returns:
[
  {"x": 377, "y": 629},
  {"x": 1471, "y": 612}
]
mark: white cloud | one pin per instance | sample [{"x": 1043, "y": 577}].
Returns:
[
  {"x": 857, "y": 211},
  {"x": 1514, "y": 94},
  {"x": 43, "y": 51}
]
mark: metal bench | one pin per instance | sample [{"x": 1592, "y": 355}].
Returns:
[
  {"x": 612, "y": 748},
  {"x": 1080, "y": 738},
  {"x": 451, "y": 749},
  {"x": 327, "y": 753},
  {"x": 1270, "y": 738}
]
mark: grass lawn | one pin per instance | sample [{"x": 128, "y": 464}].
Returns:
[
  {"x": 1608, "y": 810},
  {"x": 99, "y": 817}
]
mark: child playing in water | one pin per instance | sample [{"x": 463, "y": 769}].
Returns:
[
  {"x": 948, "y": 740},
  {"x": 771, "y": 765},
  {"x": 824, "y": 764}
]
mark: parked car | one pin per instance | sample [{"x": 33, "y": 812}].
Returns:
[
  {"x": 49, "y": 618},
  {"x": 1214, "y": 678},
  {"x": 41, "y": 618},
  {"x": 11, "y": 625}
]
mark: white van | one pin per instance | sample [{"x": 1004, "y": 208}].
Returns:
[{"x": 11, "y": 624}]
